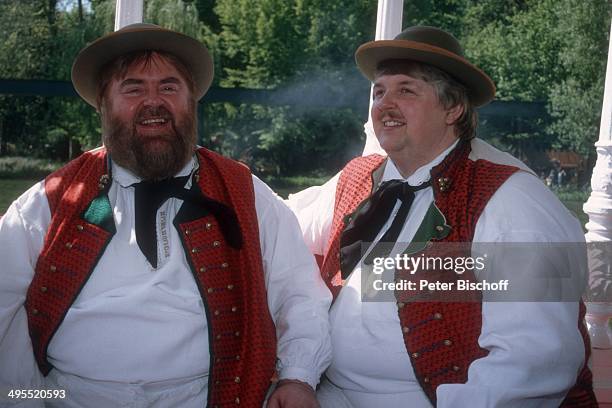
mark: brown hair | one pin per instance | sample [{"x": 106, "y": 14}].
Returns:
[
  {"x": 118, "y": 68},
  {"x": 449, "y": 91}
]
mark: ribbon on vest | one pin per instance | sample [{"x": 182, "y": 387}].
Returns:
[
  {"x": 150, "y": 195},
  {"x": 367, "y": 221}
]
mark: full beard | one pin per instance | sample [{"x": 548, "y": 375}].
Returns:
[{"x": 151, "y": 157}]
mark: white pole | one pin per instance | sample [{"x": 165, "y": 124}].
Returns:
[
  {"x": 599, "y": 209},
  {"x": 388, "y": 25},
  {"x": 128, "y": 12}
]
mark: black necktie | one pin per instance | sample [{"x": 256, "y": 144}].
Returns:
[
  {"x": 149, "y": 196},
  {"x": 366, "y": 222}
]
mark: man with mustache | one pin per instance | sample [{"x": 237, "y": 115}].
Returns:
[
  {"x": 434, "y": 192},
  {"x": 152, "y": 272}
]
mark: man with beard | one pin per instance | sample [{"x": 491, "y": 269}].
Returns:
[{"x": 151, "y": 272}]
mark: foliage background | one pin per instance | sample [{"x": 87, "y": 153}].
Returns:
[{"x": 551, "y": 52}]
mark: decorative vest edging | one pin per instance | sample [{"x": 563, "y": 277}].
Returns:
[
  {"x": 241, "y": 332},
  {"x": 441, "y": 338}
]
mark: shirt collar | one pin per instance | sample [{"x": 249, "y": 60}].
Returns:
[
  {"x": 125, "y": 178},
  {"x": 421, "y": 175}
]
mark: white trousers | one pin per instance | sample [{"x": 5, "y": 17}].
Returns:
[
  {"x": 85, "y": 393},
  {"x": 331, "y": 396}
]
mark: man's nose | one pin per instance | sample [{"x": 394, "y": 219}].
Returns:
[{"x": 153, "y": 98}]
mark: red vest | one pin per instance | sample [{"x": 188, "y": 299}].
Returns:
[
  {"x": 441, "y": 338},
  {"x": 231, "y": 282}
]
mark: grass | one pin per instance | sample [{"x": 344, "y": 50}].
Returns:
[
  {"x": 10, "y": 189},
  {"x": 288, "y": 185},
  {"x": 25, "y": 168}
]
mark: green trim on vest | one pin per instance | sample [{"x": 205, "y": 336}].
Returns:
[
  {"x": 100, "y": 213},
  {"x": 433, "y": 228}
]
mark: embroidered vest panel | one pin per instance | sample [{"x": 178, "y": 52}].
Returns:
[
  {"x": 242, "y": 339},
  {"x": 354, "y": 186},
  {"x": 441, "y": 338}
]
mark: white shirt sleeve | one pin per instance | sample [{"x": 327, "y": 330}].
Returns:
[
  {"x": 314, "y": 209},
  {"x": 298, "y": 299},
  {"x": 21, "y": 240},
  {"x": 535, "y": 348}
]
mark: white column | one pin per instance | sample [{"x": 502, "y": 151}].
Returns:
[
  {"x": 128, "y": 12},
  {"x": 599, "y": 209},
  {"x": 388, "y": 25}
]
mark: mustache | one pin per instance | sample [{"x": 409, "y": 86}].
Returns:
[
  {"x": 391, "y": 115},
  {"x": 156, "y": 112}
]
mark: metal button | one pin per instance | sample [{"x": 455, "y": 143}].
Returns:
[
  {"x": 53, "y": 268},
  {"x": 415, "y": 355},
  {"x": 437, "y": 316},
  {"x": 216, "y": 244},
  {"x": 237, "y": 334},
  {"x": 217, "y": 313},
  {"x": 202, "y": 269},
  {"x": 447, "y": 342},
  {"x": 237, "y": 380},
  {"x": 440, "y": 228},
  {"x": 224, "y": 265},
  {"x": 456, "y": 368},
  {"x": 34, "y": 311},
  {"x": 406, "y": 329},
  {"x": 237, "y": 357},
  {"x": 426, "y": 380},
  {"x": 237, "y": 401},
  {"x": 218, "y": 336},
  {"x": 43, "y": 289},
  {"x": 400, "y": 304},
  {"x": 230, "y": 287},
  {"x": 68, "y": 245},
  {"x": 234, "y": 308},
  {"x": 79, "y": 227},
  {"x": 208, "y": 226},
  {"x": 194, "y": 250},
  {"x": 210, "y": 290},
  {"x": 187, "y": 232}
]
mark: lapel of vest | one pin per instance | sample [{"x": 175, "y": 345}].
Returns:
[
  {"x": 78, "y": 233},
  {"x": 354, "y": 186}
]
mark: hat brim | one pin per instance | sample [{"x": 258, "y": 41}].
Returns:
[
  {"x": 87, "y": 65},
  {"x": 481, "y": 89}
]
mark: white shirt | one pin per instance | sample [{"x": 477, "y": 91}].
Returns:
[
  {"x": 535, "y": 349},
  {"x": 134, "y": 324}
]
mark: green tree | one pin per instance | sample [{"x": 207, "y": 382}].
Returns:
[{"x": 575, "y": 102}]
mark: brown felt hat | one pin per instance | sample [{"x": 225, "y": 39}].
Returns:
[
  {"x": 431, "y": 46},
  {"x": 137, "y": 37}
]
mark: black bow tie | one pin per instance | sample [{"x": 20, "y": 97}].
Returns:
[
  {"x": 365, "y": 223},
  {"x": 149, "y": 196}
]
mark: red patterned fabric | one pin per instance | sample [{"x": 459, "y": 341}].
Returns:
[
  {"x": 441, "y": 338},
  {"x": 231, "y": 282}
]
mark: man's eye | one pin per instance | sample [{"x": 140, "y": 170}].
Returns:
[
  {"x": 168, "y": 89},
  {"x": 406, "y": 90},
  {"x": 131, "y": 91},
  {"x": 377, "y": 94}
]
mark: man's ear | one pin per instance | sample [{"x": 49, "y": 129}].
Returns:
[{"x": 454, "y": 113}]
